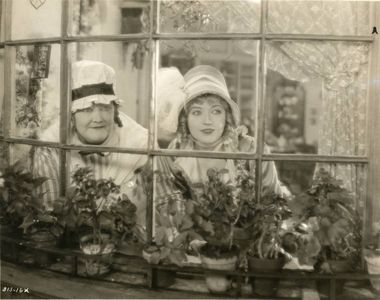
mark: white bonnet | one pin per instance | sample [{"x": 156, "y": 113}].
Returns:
[
  {"x": 170, "y": 99},
  {"x": 92, "y": 82}
]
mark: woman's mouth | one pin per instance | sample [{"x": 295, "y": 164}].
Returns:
[{"x": 208, "y": 131}]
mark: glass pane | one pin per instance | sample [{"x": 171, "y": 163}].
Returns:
[
  {"x": 2, "y": 90},
  {"x": 37, "y": 92},
  {"x": 36, "y": 19},
  {"x": 194, "y": 65},
  {"x": 131, "y": 85},
  {"x": 132, "y": 174},
  {"x": 210, "y": 16},
  {"x": 185, "y": 200},
  {"x": 3, "y": 161},
  {"x": 42, "y": 162},
  {"x": 316, "y": 97},
  {"x": 110, "y": 17},
  {"x": 329, "y": 199},
  {"x": 319, "y": 17},
  {"x": 2, "y": 23}
]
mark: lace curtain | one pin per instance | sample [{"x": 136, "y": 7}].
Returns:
[{"x": 342, "y": 66}]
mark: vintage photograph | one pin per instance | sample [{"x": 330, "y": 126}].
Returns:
[{"x": 190, "y": 149}]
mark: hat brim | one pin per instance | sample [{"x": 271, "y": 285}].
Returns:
[
  {"x": 233, "y": 105},
  {"x": 87, "y": 102}
]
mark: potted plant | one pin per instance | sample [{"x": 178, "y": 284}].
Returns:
[
  {"x": 101, "y": 217},
  {"x": 18, "y": 188},
  {"x": 337, "y": 224},
  {"x": 215, "y": 211},
  {"x": 22, "y": 207},
  {"x": 266, "y": 253},
  {"x": 372, "y": 256},
  {"x": 174, "y": 233}
]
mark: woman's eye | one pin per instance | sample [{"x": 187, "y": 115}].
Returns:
[
  {"x": 217, "y": 111},
  {"x": 87, "y": 110},
  {"x": 105, "y": 108},
  {"x": 195, "y": 112}
]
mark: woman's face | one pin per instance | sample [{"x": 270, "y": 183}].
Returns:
[{"x": 206, "y": 119}]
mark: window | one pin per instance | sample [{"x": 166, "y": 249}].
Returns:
[{"x": 302, "y": 74}]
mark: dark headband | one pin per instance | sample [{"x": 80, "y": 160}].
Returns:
[{"x": 92, "y": 89}]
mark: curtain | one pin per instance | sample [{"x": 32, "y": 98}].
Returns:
[{"x": 342, "y": 66}]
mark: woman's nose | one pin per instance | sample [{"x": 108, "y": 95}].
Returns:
[
  {"x": 207, "y": 118},
  {"x": 96, "y": 115}
]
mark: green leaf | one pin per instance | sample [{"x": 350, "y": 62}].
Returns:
[
  {"x": 27, "y": 222},
  {"x": 177, "y": 257},
  {"x": 187, "y": 223},
  {"x": 180, "y": 239},
  {"x": 165, "y": 251},
  {"x": 207, "y": 226},
  {"x": 39, "y": 181},
  {"x": 160, "y": 237},
  {"x": 189, "y": 207},
  {"x": 164, "y": 221}
]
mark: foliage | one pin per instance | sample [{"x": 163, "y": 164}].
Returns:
[
  {"x": 262, "y": 220},
  {"x": 27, "y": 93},
  {"x": 174, "y": 227},
  {"x": 331, "y": 208},
  {"x": 266, "y": 231},
  {"x": 185, "y": 16},
  {"x": 376, "y": 235},
  {"x": 215, "y": 209},
  {"x": 97, "y": 204},
  {"x": 21, "y": 202}
]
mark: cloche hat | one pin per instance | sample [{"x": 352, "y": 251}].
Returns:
[
  {"x": 205, "y": 79},
  {"x": 92, "y": 82}
]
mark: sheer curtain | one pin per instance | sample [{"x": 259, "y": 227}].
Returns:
[{"x": 342, "y": 66}]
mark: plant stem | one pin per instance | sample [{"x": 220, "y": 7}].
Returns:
[{"x": 260, "y": 243}]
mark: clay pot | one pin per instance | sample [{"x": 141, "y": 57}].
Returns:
[
  {"x": 40, "y": 239},
  {"x": 216, "y": 283},
  {"x": 336, "y": 266},
  {"x": 265, "y": 287},
  {"x": 99, "y": 257},
  {"x": 373, "y": 267}
]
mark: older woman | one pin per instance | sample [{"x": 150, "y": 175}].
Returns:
[{"x": 208, "y": 120}]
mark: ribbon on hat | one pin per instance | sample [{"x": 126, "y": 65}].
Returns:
[{"x": 92, "y": 89}]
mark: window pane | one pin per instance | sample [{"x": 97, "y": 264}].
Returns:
[
  {"x": 210, "y": 16},
  {"x": 319, "y": 17},
  {"x": 239, "y": 69},
  {"x": 110, "y": 17},
  {"x": 36, "y": 92},
  {"x": 132, "y": 173},
  {"x": 2, "y": 22},
  {"x": 327, "y": 199},
  {"x": 2, "y": 90},
  {"x": 316, "y": 97},
  {"x": 131, "y": 63},
  {"x": 42, "y": 162},
  {"x": 181, "y": 201},
  {"x": 298, "y": 177},
  {"x": 3, "y": 161},
  {"x": 36, "y": 19}
]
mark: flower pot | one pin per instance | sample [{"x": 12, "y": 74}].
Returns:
[
  {"x": 373, "y": 267},
  {"x": 336, "y": 266},
  {"x": 216, "y": 283},
  {"x": 43, "y": 239},
  {"x": 161, "y": 278},
  {"x": 99, "y": 256},
  {"x": 265, "y": 287},
  {"x": 8, "y": 249}
]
